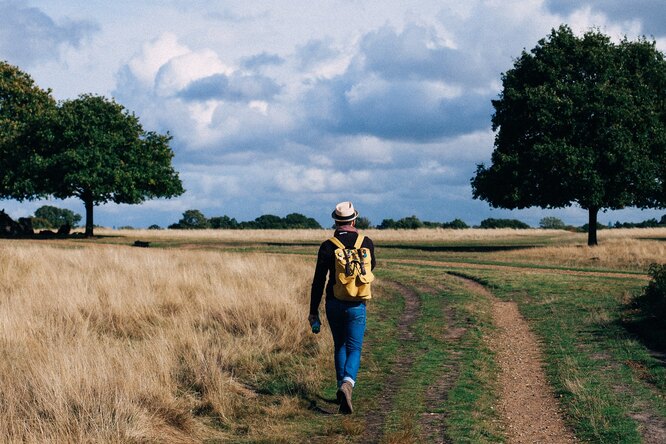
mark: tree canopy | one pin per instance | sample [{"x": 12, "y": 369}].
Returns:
[
  {"x": 48, "y": 216},
  {"x": 192, "y": 220},
  {"x": 104, "y": 155},
  {"x": 580, "y": 120},
  {"x": 551, "y": 223},
  {"x": 23, "y": 136}
]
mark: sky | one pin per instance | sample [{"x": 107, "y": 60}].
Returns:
[{"x": 290, "y": 107}]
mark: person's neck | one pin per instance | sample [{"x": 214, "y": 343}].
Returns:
[{"x": 348, "y": 227}]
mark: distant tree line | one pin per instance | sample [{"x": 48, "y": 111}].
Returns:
[
  {"x": 195, "y": 219},
  {"x": 52, "y": 217},
  {"x": 649, "y": 223},
  {"x": 413, "y": 222}
]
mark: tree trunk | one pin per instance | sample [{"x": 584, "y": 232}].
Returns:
[
  {"x": 592, "y": 227},
  {"x": 88, "y": 201}
]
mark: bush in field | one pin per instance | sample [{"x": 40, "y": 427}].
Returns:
[
  {"x": 503, "y": 223},
  {"x": 362, "y": 223},
  {"x": 191, "y": 220},
  {"x": 411, "y": 222},
  {"x": 296, "y": 220},
  {"x": 457, "y": 224},
  {"x": 652, "y": 302},
  {"x": 272, "y": 222},
  {"x": 223, "y": 222},
  {"x": 551, "y": 223}
]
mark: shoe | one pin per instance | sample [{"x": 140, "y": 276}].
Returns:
[{"x": 345, "y": 398}]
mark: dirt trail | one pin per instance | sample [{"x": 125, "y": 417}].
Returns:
[
  {"x": 527, "y": 405},
  {"x": 374, "y": 421}
]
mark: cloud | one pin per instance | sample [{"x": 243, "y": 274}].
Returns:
[
  {"x": 417, "y": 52},
  {"x": 650, "y": 13},
  {"x": 206, "y": 103},
  {"x": 314, "y": 52},
  {"x": 181, "y": 70},
  {"x": 235, "y": 88},
  {"x": 153, "y": 55},
  {"x": 258, "y": 61},
  {"x": 41, "y": 38},
  {"x": 396, "y": 110}
]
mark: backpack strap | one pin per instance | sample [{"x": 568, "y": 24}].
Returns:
[
  {"x": 357, "y": 244},
  {"x": 337, "y": 242},
  {"x": 359, "y": 241}
]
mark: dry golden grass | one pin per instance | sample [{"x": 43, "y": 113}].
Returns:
[
  {"x": 115, "y": 344},
  {"x": 613, "y": 252}
]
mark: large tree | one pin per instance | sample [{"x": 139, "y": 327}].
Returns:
[
  {"x": 104, "y": 155},
  {"x": 24, "y": 142},
  {"x": 580, "y": 120}
]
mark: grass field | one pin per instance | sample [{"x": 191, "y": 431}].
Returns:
[{"x": 203, "y": 337}]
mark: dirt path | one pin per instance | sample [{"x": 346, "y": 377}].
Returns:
[
  {"x": 374, "y": 421},
  {"x": 527, "y": 405}
]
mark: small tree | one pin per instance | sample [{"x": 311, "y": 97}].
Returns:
[
  {"x": 223, "y": 222},
  {"x": 363, "y": 223},
  {"x": 104, "y": 155},
  {"x": 191, "y": 220},
  {"x": 296, "y": 220},
  {"x": 551, "y": 223},
  {"x": 579, "y": 121},
  {"x": 457, "y": 224},
  {"x": 56, "y": 217}
]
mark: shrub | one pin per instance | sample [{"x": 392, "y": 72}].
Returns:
[
  {"x": 652, "y": 302},
  {"x": 552, "y": 223},
  {"x": 503, "y": 223},
  {"x": 457, "y": 224},
  {"x": 40, "y": 222},
  {"x": 362, "y": 223},
  {"x": 191, "y": 220},
  {"x": 411, "y": 222},
  {"x": 223, "y": 222}
]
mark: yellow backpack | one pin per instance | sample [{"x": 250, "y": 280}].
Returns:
[{"x": 353, "y": 271}]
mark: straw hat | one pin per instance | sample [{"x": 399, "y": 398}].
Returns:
[{"x": 344, "y": 212}]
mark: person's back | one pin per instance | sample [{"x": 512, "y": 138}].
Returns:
[{"x": 346, "y": 316}]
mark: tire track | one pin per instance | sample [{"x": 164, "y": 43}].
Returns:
[
  {"x": 375, "y": 420},
  {"x": 527, "y": 405},
  {"x": 433, "y": 426}
]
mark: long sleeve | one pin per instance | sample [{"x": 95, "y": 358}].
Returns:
[{"x": 318, "y": 281}]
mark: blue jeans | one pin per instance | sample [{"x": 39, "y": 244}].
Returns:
[{"x": 347, "y": 322}]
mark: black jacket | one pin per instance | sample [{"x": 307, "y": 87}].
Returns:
[{"x": 326, "y": 265}]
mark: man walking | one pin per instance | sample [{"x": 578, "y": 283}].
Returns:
[{"x": 348, "y": 259}]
